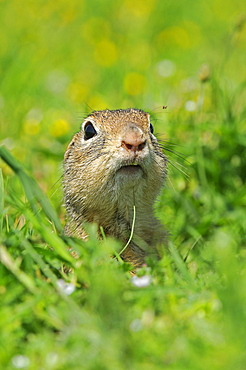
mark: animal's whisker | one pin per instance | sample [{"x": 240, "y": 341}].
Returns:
[
  {"x": 180, "y": 165},
  {"x": 175, "y": 165},
  {"x": 170, "y": 143},
  {"x": 171, "y": 184},
  {"x": 174, "y": 152}
]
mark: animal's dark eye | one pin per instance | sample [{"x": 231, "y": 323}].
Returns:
[
  {"x": 89, "y": 131},
  {"x": 151, "y": 127}
]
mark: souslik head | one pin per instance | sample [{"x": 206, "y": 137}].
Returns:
[{"x": 112, "y": 164}]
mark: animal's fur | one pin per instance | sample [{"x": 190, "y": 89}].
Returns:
[{"x": 100, "y": 188}]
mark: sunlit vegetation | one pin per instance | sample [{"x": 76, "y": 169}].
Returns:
[{"x": 184, "y": 62}]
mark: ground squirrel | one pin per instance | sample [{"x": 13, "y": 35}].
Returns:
[{"x": 113, "y": 164}]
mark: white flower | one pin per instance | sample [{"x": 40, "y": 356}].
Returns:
[
  {"x": 165, "y": 68},
  {"x": 20, "y": 361},
  {"x": 136, "y": 325},
  {"x": 190, "y": 106},
  {"x": 52, "y": 359},
  {"x": 66, "y": 288},
  {"x": 142, "y": 281},
  {"x": 57, "y": 81}
]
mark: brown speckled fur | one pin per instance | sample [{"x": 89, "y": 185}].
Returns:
[{"x": 98, "y": 190}]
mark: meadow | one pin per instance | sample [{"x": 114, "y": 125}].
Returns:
[{"x": 184, "y": 62}]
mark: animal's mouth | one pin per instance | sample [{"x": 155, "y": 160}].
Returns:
[{"x": 130, "y": 169}]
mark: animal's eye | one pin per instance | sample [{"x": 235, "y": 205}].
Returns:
[
  {"x": 89, "y": 131},
  {"x": 151, "y": 127}
]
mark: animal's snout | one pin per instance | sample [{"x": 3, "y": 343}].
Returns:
[{"x": 133, "y": 140}]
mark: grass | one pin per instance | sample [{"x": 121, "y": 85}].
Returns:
[{"x": 186, "y": 311}]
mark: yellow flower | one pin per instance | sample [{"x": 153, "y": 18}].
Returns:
[
  {"x": 140, "y": 8},
  {"x": 78, "y": 92},
  {"x": 134, "y": 83},
  {"x": 96, "y": 102},
  {"x": 204, "y": 73},
  {"x": 175, "y": 35},
  {"x": 31, "y": 126},
  {"x": 59, "y": 127},
  {"x": 105, "y": 53}
]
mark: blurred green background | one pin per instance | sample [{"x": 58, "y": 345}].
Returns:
[{"x": 58, "y": 61}]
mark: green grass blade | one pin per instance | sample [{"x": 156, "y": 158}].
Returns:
[
  {"x": 1, "y": 200},
  {"x": 40, "y": 262},
  {"x": 11, "y": 265},
  {"x": 33, "y": 192},
  {"x": 180, "y": 264},
  {"x": 52, "y": 239}
]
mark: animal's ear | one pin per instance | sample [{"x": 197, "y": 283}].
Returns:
[{"x": 70, "y": 146}]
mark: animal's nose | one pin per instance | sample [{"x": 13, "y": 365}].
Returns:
[{"x": 133, "y": 140}]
